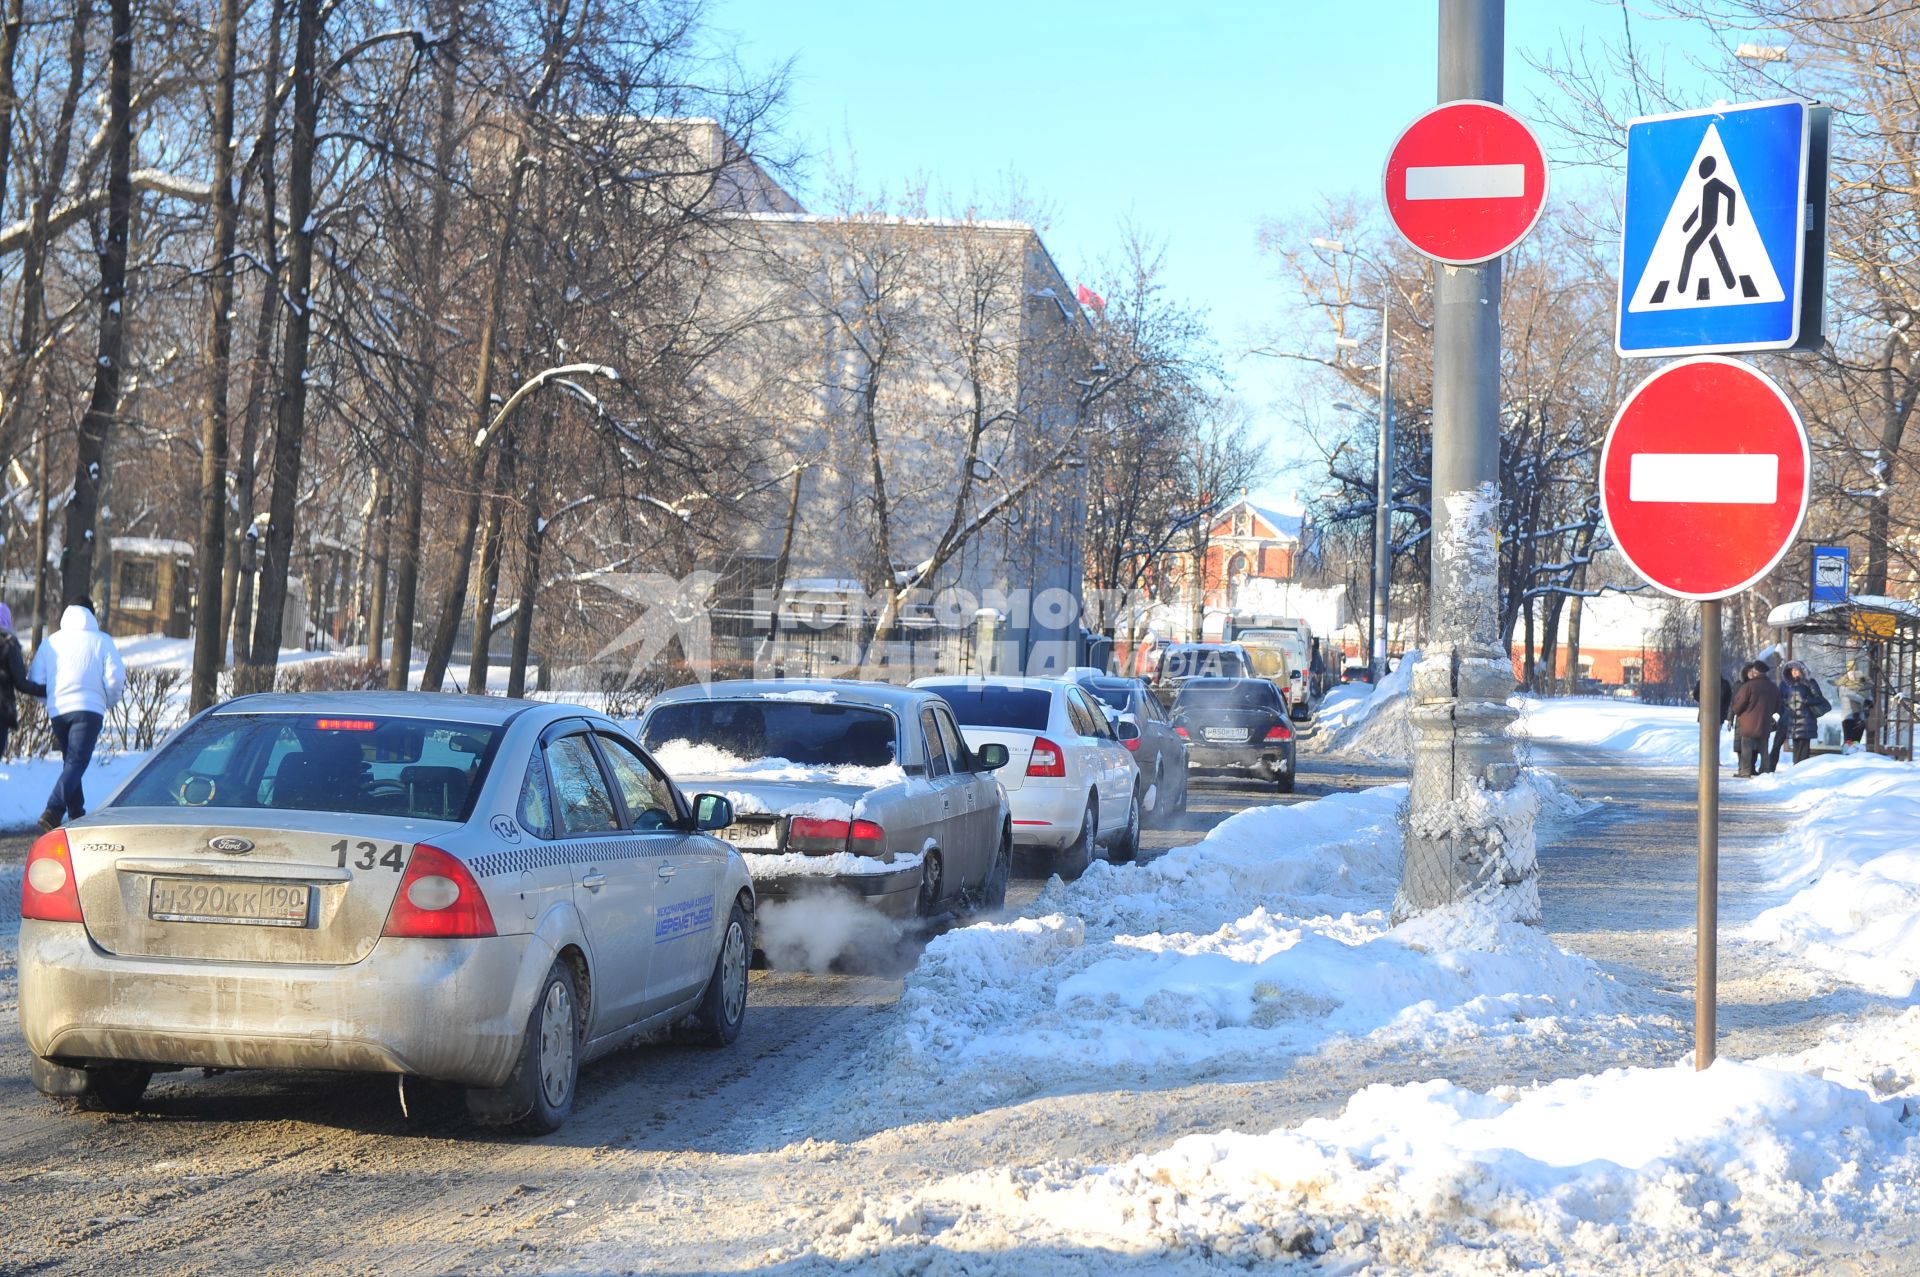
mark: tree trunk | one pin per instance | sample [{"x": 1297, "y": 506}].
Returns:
[
  {"x": 381, "y": 534},
  {"x": 211, "y": 567},
  {"x": 90, "y": 451},
  {"x": 42, "y": 503},
  {"x": 1574, "y": 610},
  {"x": 16, "y": 403},
  {"x": 290, "y": 422},
  {"x": 406, "y": 576},
  {"x": 487, "y": 586},
  {"x": 481, "y": 407},
  {"x": 246, "y": 540},
  {"x": 529, "y": 583},
  {"x": 9, "y": 45}
]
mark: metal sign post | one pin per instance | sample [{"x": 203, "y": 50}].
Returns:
[{"x": 1706, "y": 957}]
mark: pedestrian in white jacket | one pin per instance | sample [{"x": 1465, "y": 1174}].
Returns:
[{"x": 84, "y": 676}]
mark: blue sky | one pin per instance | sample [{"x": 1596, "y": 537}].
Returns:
[{"x": 1195, "y": 120}]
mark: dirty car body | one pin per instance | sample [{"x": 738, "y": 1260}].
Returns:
[
  {"x": 377, "y": 882},
  {"x": 842, "y": 786}
]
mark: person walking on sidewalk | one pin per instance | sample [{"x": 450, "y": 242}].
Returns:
[
  {"x": 1754, "y": 705},
  {"x": 13, "y": 680},
  {"x": 1801, "y": 705},
  {"x": 84, "y": 676}
]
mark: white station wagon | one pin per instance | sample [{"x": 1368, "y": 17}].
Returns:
[{"x": 479, "y": 891}]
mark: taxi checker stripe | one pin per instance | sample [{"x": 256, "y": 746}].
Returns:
[{"x": 523, "y": 859}]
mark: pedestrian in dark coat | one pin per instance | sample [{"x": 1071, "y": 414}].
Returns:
[
  {"x": 1801, "y": 705},
  {"x": 1754, "y": 706},
  {"x": 1723, "y": 709},
  {"x": 13, "y": 680}
]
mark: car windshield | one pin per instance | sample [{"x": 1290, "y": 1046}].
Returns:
[
  {"x": 989, "y": 705},
  {"x": 1215, "y": 694},
  {"x": 1111, "y": 692},
  {"x": 419, "y": 769},
  {"x": 1204, "y": 662},
  {"x": 808, "y": 733}
]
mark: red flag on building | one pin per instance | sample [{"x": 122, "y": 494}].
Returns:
[{"x": 1091, "y": 300}]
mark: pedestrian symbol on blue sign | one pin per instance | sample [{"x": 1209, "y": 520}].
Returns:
[{"x": 1714, "y": 255}]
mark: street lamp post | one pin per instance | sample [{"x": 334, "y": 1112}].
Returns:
[{"x": 1382, "y": 574}]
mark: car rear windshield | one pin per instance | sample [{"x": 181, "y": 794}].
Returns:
[
  {"x": 1112, "y": 692},
  {"x": 1204, "y": 663},
  {"x": 1023, "y": 709},
  {"x": 813, "y": 734},
  {"x": 1248, "y": 693},
  {"x": 372, "y": 765}
]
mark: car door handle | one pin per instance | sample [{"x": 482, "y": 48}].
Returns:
[
  {"x": 666, "y": 871},
  {"x": 594, "y": 881}
]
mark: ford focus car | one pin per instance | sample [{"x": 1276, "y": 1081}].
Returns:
[{"x": 479, "y": 891}]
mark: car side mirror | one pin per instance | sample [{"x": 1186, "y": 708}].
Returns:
[
  {"x": 1126, "y": 729},
  {"x": 711, "y": 811},
  {"x": 991, "y": 756}
]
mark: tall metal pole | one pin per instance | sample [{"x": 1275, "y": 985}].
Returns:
[
  {"x": 1459, "y": 846},
  {"x": 1383, "y": 496},
  {"x": 1706, "y": 959}
]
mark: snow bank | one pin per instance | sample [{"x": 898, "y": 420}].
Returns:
[
  {"x": 686, "y": 758},
  {"x": 1664, "y": 735},
  {"x": 1373, "y": 722},
  {"x": 1852, "y": 862},
  {"x": 1270, "y": 936},
  {"x": 25, "y": 784},
  {"x": 1631, "y": 1170}
]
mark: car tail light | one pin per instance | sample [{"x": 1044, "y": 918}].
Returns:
[
  {"x": 438, "y": 899},
  {"x": 48, "y": 891},
  {"x": 1279, "y": 731},
  {"x": 1048, "y": 759},
  {"x": 812, "y": 834}
]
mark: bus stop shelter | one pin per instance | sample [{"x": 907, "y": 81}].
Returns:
[{"x": 1886, "y": 632}]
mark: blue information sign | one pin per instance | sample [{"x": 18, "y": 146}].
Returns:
[
  {"x": 1715, "y": 255},
  {"x": 1831, "y": 566}
]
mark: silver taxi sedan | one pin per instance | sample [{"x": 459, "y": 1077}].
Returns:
[{"x": 480, "y": 891}]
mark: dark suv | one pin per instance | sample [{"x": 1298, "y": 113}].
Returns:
[{"x": 1236, "y": 724}]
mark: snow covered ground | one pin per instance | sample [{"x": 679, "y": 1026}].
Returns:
[{"x": 1269, "y": 938}]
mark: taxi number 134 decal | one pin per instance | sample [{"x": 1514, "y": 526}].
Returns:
[{"x": 368, "y": 854}]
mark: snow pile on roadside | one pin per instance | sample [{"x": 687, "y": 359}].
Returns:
[
  {"x": 1341, "y": 706},
  {"x": 1631, "y": 1170},
  {"x": 1376, "y": 726},
  {"x": 1267, "y": 939},
  {"x": 687, "y": 758},
  {"x": 1664, "y": 735},
  {"x": 1856, "y": 863}
]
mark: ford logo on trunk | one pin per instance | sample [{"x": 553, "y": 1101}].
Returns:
[{"x": 232, "y": 846}]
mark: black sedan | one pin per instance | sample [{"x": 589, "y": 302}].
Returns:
[{"x": 1237, "y": 725}]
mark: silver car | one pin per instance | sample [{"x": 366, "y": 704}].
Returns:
[
  {"x": 838, "y": 785},
  {"x": 479, "y": 891}
]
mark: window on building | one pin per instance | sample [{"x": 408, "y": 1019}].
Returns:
[
  {"x": 1630, "y": 672},
  {"x": 139, "y": 584}
]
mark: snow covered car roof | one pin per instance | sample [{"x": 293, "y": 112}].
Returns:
[{"x": 824, "y": 691}]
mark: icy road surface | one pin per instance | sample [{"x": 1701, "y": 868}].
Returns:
[{"x": 319, "y": 1173}]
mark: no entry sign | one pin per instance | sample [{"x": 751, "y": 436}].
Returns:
[
  {"x": 1704, "y": 476},
  {"x": 1465, "y": 182}
]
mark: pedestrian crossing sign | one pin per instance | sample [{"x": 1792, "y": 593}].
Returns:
[{"x": 1722, "y": 249}]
